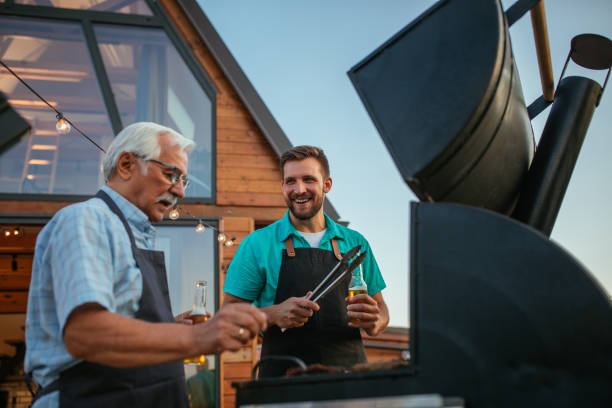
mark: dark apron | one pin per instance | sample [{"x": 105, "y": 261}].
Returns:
[
  {"x": 94, "y": 385},
  {"x": 326, "y": 338}
]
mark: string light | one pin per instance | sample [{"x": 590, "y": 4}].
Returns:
[
  {"x": 62, "y": 126},
  {"x": 200, "y": 227},
  {"x": 174, "y": 214},
  {"x": 12, "y": 232}
]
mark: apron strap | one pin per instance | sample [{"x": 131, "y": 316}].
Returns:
[
  {"x": 337, "y": 252},
  {"x": 291, "y": 249},
  {"x": 289, "y": 246}
]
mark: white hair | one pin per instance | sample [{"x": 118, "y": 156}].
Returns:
[{"x": 141, "y": 139}]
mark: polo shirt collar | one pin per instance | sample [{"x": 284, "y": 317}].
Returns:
[{"x": 287, "y": 229}]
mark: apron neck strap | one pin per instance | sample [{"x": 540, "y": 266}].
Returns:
[
  {"x": 291, "y": 248},
  {"x": 336, "y": 249},
  {"x": 114, "y": 208}
]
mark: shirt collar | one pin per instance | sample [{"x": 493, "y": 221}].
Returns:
[
  {"x": 286, "y": 229},
  {"x": 134, "y": 215}
]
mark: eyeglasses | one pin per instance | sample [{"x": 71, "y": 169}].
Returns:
[{"x": 174, "y": 177}]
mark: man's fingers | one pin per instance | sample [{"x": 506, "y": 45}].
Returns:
[
  {"x": 307, "y": 304},
  {"x": 363, "y": 298},
  {"x": 246, "y": 316}
]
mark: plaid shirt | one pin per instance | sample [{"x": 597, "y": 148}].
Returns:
[{"x": 83, "y": 255}]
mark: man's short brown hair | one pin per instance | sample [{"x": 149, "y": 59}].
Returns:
[{"x": 298, "y": 153}]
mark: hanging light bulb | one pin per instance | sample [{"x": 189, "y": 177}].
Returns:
[
  {"x": 7, "y": 233},
  {"x": 221, "y": 237},
  {"x": 230, "y": 242},
  {"x": 62, "y": 126},
  {"x": 200, "y": 227},
  {"x": 173, "y": 214}
]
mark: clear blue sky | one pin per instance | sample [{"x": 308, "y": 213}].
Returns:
[{"x": 297, "y": 53}]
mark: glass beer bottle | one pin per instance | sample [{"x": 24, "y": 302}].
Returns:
[
  {"x": 198, "y": 315},
  {"x": 357, "y": 286}
]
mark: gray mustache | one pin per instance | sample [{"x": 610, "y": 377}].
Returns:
[{"x": 171, "y": 198}]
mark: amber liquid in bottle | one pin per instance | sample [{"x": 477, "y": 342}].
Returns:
[
  {"x": 198, "y": 315},
  {"x": 357, "y": 286}
]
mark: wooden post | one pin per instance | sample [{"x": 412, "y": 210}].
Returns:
[{"x": 540, "y": 33}]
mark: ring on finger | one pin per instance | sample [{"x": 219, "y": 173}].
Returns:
[{"x": 241, "y": 331}]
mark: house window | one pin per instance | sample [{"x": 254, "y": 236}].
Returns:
[
  {"x": 125, "y": 6},
  {"x": 52, "y": 58},
  {"x": 104, "y": 70},
  {"x": 149, "y": 82}
]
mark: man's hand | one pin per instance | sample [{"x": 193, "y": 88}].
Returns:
[
  {"x": 368, "y": 312},
  {"x": 185, "y": 319},
  {"x": 229, "y": 329},
  {"x": 293, "y": 312}
]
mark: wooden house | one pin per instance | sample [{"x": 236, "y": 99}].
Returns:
[{"x": 105, "y": 64}]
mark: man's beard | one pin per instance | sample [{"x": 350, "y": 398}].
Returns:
[{"x": 317, "y": 203}]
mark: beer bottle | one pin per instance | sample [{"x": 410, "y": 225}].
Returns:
[
  {"x": 198, "y": 315},
  {"x": 357, "y": 286}
]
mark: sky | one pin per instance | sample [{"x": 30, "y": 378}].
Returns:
[{"x": 296, "y": 54}]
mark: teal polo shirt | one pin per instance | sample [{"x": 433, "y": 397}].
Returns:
[{"x": 253, "y": 273}]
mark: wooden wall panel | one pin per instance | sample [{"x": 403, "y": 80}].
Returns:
[
  {"x": 31, "y": 207},
  {"x": 249, "y": 186},
  {"x": 257, "y": 200},
  {"x": 13, "y": 302},
  {"x": 18, "y": 279},
  {"x": 247, "y": 162}
]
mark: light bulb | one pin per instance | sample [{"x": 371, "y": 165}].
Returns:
[
  {"x": 62, "y": 126},
  {"x": 221, "y": 237},
  {"x": 16, "y": 232},
  {"x": 174, "y": 214},
  {"x": 7, "y": 233},
  {"x": 200, "y": 228},
  {"x": 229, "y": 242}
]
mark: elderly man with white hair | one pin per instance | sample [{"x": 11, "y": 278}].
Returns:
[{"x": 99, "y": 329}]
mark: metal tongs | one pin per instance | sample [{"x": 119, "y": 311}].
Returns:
[{"x": 341, "y": 271}]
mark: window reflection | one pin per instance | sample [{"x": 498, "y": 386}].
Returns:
[
  {"x": 115, "y": 6},
  {"x": 53, "y": 59},
  {"x": 151, "y": 82},
  {"x": 189, "y": 258}
]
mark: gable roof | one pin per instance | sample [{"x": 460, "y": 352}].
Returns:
[{"x": 243, "y": 87}]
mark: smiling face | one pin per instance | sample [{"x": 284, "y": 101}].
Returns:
[
  {"x": 153, "y": 192},
  {"x": 304, "y": 188}
]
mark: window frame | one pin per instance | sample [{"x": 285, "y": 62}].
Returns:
[{"x": 86, "y": 19}]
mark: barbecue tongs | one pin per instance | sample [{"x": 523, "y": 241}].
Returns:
[{"x": 341, "y": 271}]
